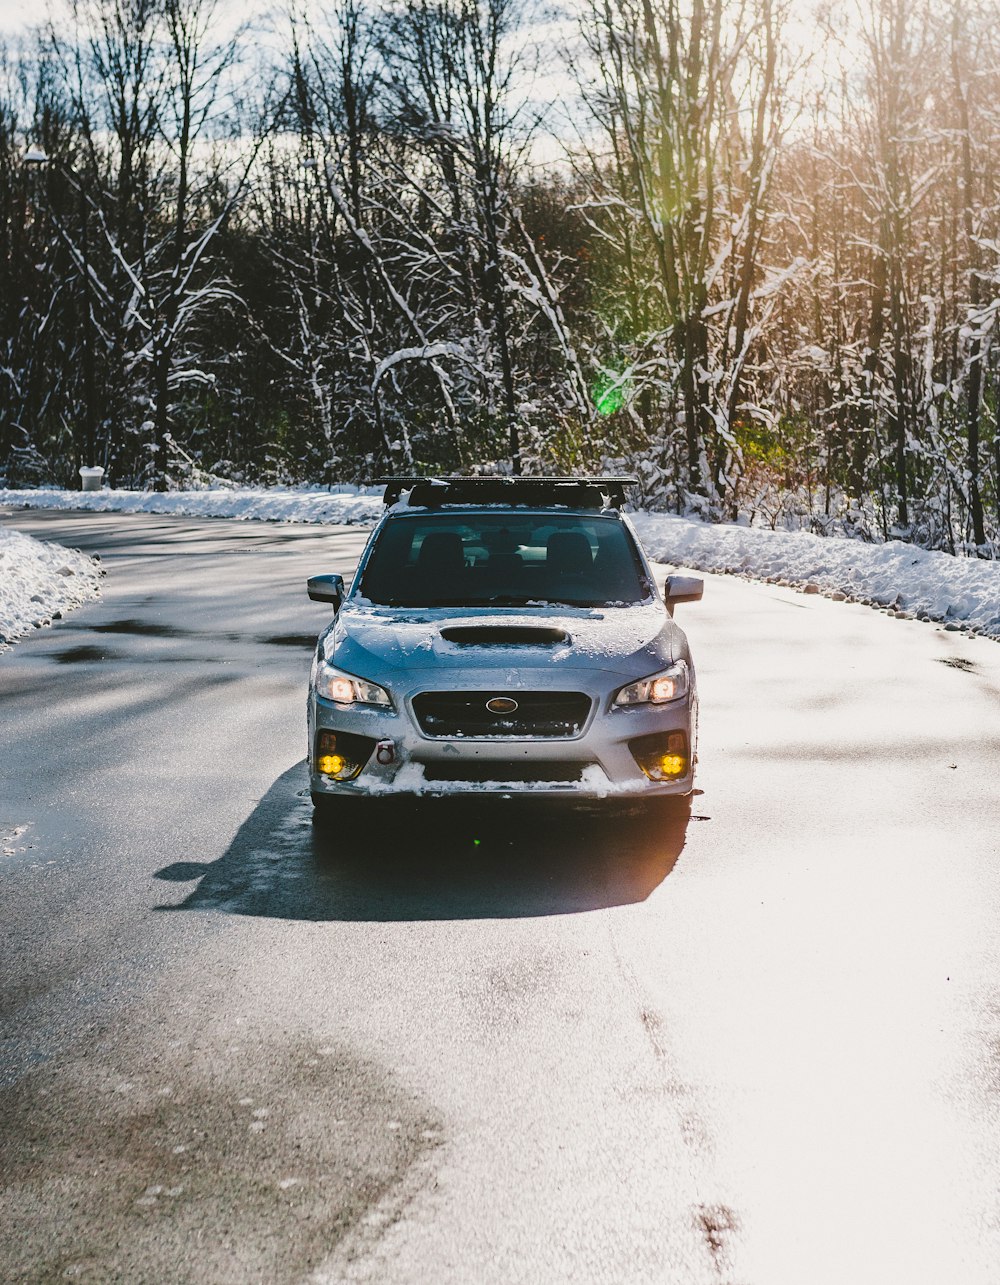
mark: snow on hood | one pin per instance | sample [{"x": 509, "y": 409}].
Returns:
[{"x": 636, "y": 640}]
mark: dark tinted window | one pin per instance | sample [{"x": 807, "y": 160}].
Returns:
[{"x": 506, "y": 559}]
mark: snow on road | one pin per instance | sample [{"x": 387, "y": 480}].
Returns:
[
  {"x": 961, "y": 592},
  {"x": 40, "y": 581}
]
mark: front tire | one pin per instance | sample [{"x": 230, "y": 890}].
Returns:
[
  {"x": 328, "y": 811},
  {"x": 670, "y": 809}
]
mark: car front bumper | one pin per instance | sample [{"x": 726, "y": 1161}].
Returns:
[{"x": 596, "y": 763}]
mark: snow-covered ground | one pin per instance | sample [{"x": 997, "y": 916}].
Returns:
[
  {"x": 964, "y": 593},
  {"x": 343, "y": 504},
  {"x": 40, "y": 581},
  {"x": 961, "y": 592}
]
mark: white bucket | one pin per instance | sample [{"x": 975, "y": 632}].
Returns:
[{"x": 91, "y": 478}]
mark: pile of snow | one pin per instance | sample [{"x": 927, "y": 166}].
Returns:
[
  {"x": 962, "y": 592},
  {"x": 39, "y": 581},
  {"x": 348, "y": 505},
  {"x": 910, "y": 581}
]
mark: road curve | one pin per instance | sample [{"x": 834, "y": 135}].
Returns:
[{"x": 489, "y": 1045}]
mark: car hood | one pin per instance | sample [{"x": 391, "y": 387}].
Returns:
[{"x": 632, "y": 641}]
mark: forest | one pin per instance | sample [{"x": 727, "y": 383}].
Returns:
[{"x": 749, "y": 255}]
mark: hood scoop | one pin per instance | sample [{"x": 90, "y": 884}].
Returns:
[{"x": 505, "y": 635}]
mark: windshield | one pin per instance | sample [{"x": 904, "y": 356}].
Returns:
[{"x": 504, "y": 559}]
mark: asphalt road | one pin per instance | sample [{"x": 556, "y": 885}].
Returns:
[{"x": 489, "y": 1045}]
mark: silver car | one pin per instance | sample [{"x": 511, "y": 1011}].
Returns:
[{"x": 502, "y": 636}]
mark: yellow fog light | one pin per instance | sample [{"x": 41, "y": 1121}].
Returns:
[
  {"x": 341, "y": 755},
  {"x": 662, "y": 756},
  {"x": 672, "y": 764}
]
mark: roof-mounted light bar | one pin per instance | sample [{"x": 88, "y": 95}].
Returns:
[{"x": 573, "y": 492}]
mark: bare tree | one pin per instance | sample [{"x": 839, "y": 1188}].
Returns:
[{"x": 681, "y": 186}]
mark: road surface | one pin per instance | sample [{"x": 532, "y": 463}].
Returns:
[{"x": 489, "y": 1046}]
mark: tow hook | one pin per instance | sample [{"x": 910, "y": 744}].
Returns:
[{"x": 385, "y": 752}]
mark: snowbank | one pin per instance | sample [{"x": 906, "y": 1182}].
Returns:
[
  {"x": 39, "y": 581},
  {"x": 911, "y": 581},
  {"x": 962, "y": 592},
  {"x": 349, "y": 505}
]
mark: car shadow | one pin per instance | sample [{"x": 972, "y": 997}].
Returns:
[{"x": 431, "y": 859}]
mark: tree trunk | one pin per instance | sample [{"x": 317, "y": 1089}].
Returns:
[{"x": 976, "y": 354}]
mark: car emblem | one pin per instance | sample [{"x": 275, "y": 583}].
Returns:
[{"x": 501, "y": 705}]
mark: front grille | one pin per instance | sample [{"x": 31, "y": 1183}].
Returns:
[
  {"x": 506, "y": 773},
  {"x": 545, "y": 715}
]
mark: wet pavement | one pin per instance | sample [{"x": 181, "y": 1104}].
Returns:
[{"x": 497, "y": 1044}]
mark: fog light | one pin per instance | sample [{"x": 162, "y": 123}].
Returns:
[
  {"x": 341, "y": 755},
  {"x": 662, "y": 756}
]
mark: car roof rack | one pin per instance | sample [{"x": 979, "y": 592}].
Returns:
[{"x": 573, "y": 492}]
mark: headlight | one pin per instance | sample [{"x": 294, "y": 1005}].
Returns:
[
  {"x": 658, "y": 689},
  {"x": 334, "y": 685}
]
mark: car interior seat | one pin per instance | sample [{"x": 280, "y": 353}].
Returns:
[
  {"x": 441, "y": 554},
  {"x": 568, "y": 553}
]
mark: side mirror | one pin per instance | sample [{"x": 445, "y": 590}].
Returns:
[
  {"x": 326, "y": 589},
  {"x": 682, "y": 589}
]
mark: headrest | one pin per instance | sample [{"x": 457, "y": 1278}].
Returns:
[
  {"x": 441, "y": 551},
  {"x": 569, "y": 552}
]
